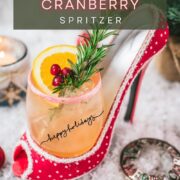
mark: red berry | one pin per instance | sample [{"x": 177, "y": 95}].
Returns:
[
  {"x": 2, "y": 157},
  {"x": 57, "y": 81},
  {"x": 66, "y": 71},
  {"x": 82, "y": 40},
  {"x": 55, "y": 69}
]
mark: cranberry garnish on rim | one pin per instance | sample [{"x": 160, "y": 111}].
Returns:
[
  {"x": 55, "y": 69},
  {"x": 57, "y": 80},
  {"x": 83, "y": 39},
  {"x": 66, "y": 71}
]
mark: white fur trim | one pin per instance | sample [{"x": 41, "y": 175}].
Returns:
[{"x": 101, "y": 138}]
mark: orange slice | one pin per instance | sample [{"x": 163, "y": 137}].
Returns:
[{"x": 42, "y": 64}]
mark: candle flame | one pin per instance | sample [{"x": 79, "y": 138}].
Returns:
[{"x": 2, "y": 54}]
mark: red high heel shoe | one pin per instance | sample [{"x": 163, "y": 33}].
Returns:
[{"x": 138, "y": 46}]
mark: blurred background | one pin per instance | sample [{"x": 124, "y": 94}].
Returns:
[{"x": 157, "y": 112}]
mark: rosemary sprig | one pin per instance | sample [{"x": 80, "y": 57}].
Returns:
[{"x": 89, "y": 55}]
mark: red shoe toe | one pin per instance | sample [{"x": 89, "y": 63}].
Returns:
[{"x": 20, "y": 163}]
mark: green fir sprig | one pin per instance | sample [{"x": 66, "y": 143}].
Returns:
[
  {"x": 173, "y": 16},
  {"x": 89, "y": 55}
]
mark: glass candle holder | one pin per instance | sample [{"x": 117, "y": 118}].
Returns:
[
  {"x": 66, "y": 126},
  {"x": 14, "y": 67}
]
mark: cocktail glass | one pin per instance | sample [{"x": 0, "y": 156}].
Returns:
[{"x": 66, "y": 126}]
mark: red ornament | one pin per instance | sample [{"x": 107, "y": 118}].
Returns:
[
  {"x": 66, "y": 71},
  {"x": 57, "y": 80},
  {"x": 82, "y": 40},
  {"x": 2, "y": 157},
  {"x": 55, "y": 69}
]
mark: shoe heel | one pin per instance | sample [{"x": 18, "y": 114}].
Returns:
[{"x": 133, "y": 98}]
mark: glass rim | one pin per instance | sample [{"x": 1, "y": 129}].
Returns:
[{"x": 65, "y": 100}]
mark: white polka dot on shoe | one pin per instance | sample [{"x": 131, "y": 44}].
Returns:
[
  {"x": 40, "y": 171},
  {"x": 49, "y": 176},
  {"x": 55, "y": 164}
]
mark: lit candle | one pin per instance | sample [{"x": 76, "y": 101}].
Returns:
[
  {"x": 6, "y": 58},
  {"x": 14, "y": 67}
]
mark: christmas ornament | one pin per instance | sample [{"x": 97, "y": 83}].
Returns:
[
  {"x": 134, "y": 150},
  {"x": 11, "y": 95},
  {"x": 2, "y": 157}
]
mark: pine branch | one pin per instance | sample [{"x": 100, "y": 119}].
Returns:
[
  {"x": 173, "y": 16},
  {"x": 89, "y": 55}
]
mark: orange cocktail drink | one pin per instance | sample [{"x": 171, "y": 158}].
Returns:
[{"x": 69, "y": 125}]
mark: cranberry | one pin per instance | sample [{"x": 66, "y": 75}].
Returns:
[
  {"x": 2, "y": 157},
  {"x": 55, "y": 69},
  {"x": 82, "y": 40},
  {"x": 57, "y": 80},
  {"x": 66, "y": 71}
]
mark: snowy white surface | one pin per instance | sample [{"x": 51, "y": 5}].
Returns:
[{"x": 157, "y": 113}]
